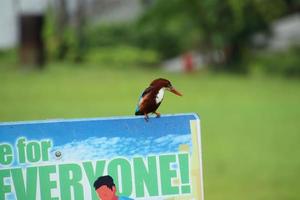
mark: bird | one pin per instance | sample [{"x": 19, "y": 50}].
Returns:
[{"x": 152, "y": 97}]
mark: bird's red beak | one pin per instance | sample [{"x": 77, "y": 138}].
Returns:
[{"x": 173, "y": 90}]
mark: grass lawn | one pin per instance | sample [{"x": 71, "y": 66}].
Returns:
[{"x": 250, "y": 125}]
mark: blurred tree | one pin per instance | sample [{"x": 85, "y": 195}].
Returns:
[
  {"x": 80, "y": 22},
  {"x": 64, "y": 31},
  {"x": 166, "y": 27},
  {"x": 227, "y": 25},
  {"x": 62, "y": 23}
]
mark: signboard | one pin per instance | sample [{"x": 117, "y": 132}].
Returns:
[{"x": 62, "y": 159}]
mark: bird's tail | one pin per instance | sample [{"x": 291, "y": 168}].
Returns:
[{"x": 138, "y": 113}]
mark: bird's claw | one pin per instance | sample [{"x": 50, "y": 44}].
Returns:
[
  {"x": 146, "y": 118},
  {"x": 157, "y": 114}
]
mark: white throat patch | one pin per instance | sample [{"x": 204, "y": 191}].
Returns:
[{"x": 160, "y": 95}]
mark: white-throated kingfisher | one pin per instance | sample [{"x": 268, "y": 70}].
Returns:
[{"x": 153, "y": 96}]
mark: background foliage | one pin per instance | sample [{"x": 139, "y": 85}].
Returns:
[{"x": 170, "y": 28}]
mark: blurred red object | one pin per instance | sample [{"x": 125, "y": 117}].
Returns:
[{"x": 188, "y": 62}]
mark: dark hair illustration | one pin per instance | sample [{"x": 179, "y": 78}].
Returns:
[{"x": 104, "y": 180}]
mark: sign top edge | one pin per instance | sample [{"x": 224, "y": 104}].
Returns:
[{"x": 194, "y": 115}]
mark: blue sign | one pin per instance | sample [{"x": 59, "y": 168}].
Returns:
[{"x": 73, "y": 159}]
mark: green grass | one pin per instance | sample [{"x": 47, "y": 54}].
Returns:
[{"x": 250, "y": 125}]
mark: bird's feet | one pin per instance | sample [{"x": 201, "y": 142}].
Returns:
[
  {"x": 146, "y": 117},
  {"x": 157, "y": 114}
]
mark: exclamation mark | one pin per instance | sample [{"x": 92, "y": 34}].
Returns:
[{"x": 184, "y": 173}]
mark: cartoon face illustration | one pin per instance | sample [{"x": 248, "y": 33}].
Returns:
[
  {"x": 106, "y": 193},
  {"x": 105, "y": 188}
]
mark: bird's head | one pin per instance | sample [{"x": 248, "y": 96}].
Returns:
[{"x": 166, "y": 84}]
